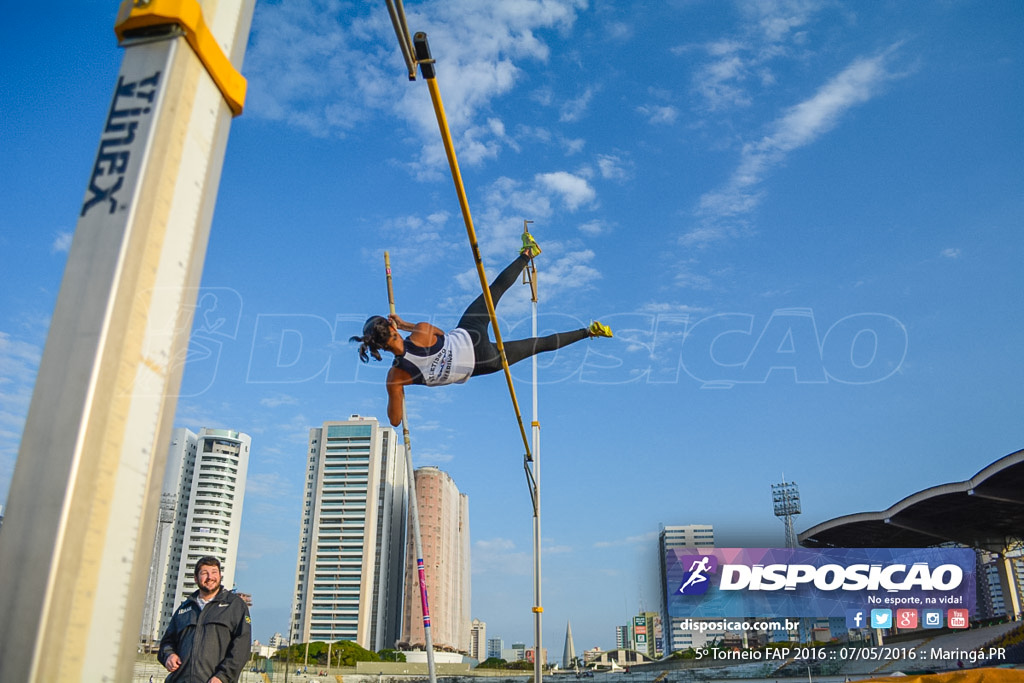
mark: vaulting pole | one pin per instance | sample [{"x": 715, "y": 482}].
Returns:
[
  {"x": 414, "y": 514},
  {"x": 426, "y": 63},
  {"x": 84, "y": 500}
]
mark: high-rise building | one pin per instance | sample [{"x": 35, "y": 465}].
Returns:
[
  {"x": 647, "y": 634},
  {"x": 670, "y": 538},
  {"x": 1000, "y": 583},
  {"x": 444, "y": 530},
  {"x": 350, "y": 571},
  {"x": 200, "y": 514},
  {"x": 494, "y": 646},
  {"x": 623, "y": 638},
  {"x": 478, "y": 640}
]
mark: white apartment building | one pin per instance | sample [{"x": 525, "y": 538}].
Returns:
[
  {"x": 478, "y": 640},
  {"x": 350, "y": 572},
  {"x": 999, "y": 591},
  {"x": 670, "y": 538},
  {"x": 200, "y": 514}
]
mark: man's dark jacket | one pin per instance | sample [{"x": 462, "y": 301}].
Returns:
[{"x": 214, "y": 641}]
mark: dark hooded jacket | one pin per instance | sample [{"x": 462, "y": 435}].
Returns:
[{"x": 213, "y": 641}]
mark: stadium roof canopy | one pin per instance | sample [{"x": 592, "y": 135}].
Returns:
[{"x": 986, "y": 511}]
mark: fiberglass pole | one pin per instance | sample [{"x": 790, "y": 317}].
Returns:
[
  {"x": 414, "y": 515},
  {"x": 426, "y": 63}
]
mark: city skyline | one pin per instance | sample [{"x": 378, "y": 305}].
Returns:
[{"x": 800, "y": 218}]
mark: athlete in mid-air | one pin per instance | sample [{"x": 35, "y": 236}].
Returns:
[{"x": 432, "y": 357}]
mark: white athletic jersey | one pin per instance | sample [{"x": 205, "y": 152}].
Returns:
[{"x": 449, "y": 361}]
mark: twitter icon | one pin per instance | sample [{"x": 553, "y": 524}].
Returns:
[{"x": 881, "y": 618}]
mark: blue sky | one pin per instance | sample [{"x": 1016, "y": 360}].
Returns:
[{"x": 825, "y": 198}]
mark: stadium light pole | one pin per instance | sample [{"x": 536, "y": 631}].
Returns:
[{"x": 786, "y": 501}]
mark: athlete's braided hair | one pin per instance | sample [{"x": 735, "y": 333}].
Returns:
[{"x": 376, "y": 332}]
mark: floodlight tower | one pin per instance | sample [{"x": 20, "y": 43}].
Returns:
[{"x": 786, "y": 501}]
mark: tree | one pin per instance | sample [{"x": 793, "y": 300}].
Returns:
[
  {"x": 492, "y": 663},
  {"x": 343, "y": 653},
  {"x": 389, "y": 655}
]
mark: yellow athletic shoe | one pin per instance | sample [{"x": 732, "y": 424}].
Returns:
[
  {"x": 596, "y": 329},
  {"x": 530, "y": 247}
]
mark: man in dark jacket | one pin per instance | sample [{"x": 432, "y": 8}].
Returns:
[{"x": 209, "y": 637}]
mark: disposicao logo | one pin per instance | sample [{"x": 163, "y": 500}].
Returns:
[
  {"x": 695, "y": 581},
  {"x": 832, "y": 577},
  {"x": 809, "y": 582}
]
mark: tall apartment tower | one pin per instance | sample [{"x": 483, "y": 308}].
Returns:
[
  {"x": 200, "y": 514},
  {"x": 478, "y": 640},
  {"x": 349, "y": 575},
  {"x": 444, "y": 529},
  {"x": 671, "y": 537}
]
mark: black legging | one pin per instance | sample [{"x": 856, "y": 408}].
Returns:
[{"x": 476, "y": 319}]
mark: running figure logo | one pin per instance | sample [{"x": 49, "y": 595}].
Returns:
[{"x": 696, "y": 581}]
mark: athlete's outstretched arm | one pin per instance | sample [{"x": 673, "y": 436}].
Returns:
[{"x": 397, "y": 379}]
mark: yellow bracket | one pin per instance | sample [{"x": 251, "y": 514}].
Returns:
[
  {"x": 135, "y": 16},
  {"x": 538, "y": 610}
]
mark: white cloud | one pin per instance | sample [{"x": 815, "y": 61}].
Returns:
[
  {"x": 950, "y": 253},
  {"x": 574, "y": 109},
  {"x": 656, "y": 114},
  {"x": 62, "y": 242},
  {"x": 776, "y": 20},
  {"x": 499, "y": 556},
  {"x": 19, "y": 363},
  {"x": 612, "y": 167},
  {"x": 801, "y": 125},
  {"x": 327, "y": 67},
  {"x": 419, "y": 239},
  {"x": 594, "y": 228},
  {"x": 574, "y": 190},
  {"x": 573, "y": 145},
  {"x": 278, "y": 400},
  {"x": 686, "y": 278},
  {"x": 664, "y": 307},
  {"x": 641, "y": 539},
  {"x": 432, "y": 457},
  {"x": 736, "y": 63}
]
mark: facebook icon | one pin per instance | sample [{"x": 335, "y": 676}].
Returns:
[{"x": 855, "y": 618}]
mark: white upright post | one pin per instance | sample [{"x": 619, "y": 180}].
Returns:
[
  {"x": 85, "y": 495},
  {"x": 538, "y": 609}
]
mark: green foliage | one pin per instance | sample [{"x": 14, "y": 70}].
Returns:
[
  {"x": 389, "y": 655},
  {"x": 520, "y": 665},
  {"x": 343, "y": 653},
  {"x": 492, "y": 663}
]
